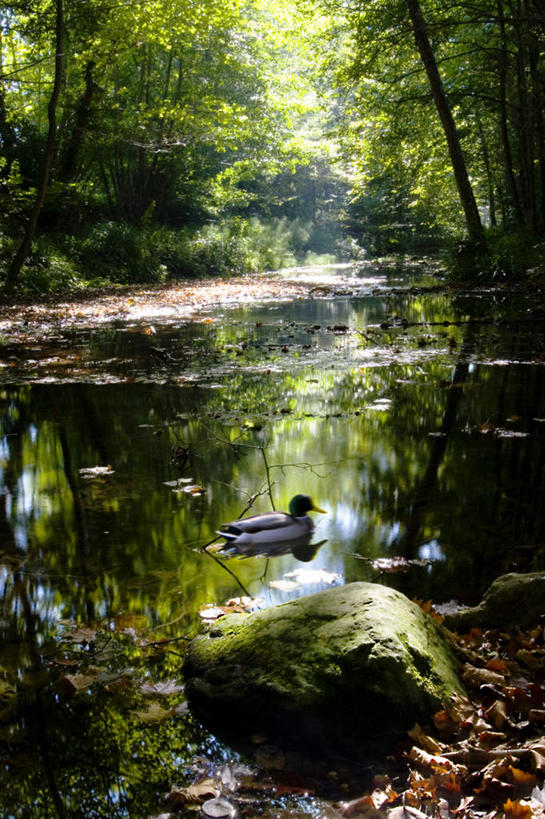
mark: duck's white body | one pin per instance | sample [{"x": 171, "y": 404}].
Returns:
[
  {"x": 272, "y": 527},
  {"x": 267, "y": 528}
]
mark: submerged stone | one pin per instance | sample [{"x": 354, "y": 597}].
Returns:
[{"x": 352, "y": 664}]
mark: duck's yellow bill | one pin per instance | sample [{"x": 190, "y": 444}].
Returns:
[{"x": 317, "y": 509}]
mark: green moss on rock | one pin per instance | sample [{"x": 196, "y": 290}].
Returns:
[
  {"x": 355, "y": 660},
  {"x": 511, "y": 600}
]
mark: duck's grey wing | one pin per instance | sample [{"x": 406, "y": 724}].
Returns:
[{"x": 257, "y": 523}]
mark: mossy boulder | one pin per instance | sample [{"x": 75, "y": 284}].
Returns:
[
  {"x": 353, "y": 663},
  {"x": 511, "y": 600}
]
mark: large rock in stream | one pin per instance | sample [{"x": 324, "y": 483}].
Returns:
[{"x": 353, "y": 664}]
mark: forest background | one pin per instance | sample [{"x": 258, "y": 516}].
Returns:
[{"x": 173, "y": 138}]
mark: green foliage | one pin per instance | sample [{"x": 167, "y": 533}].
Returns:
[
  {"x": 120, "y": 253},
  {"x": 515, "y": 255}
]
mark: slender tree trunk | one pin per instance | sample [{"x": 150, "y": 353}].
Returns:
[
  {"x": 504, "y": 121},
  {"x": 26, "y": 244},
  {"x": 465, "y": 191},
  {"x": 7, "y": 134},
  {"x": 526, "y": 116},
  {"x": 489, "y": 175},
  {"x": 81, "y": 122},
  {"x": 538, "y": 93}
]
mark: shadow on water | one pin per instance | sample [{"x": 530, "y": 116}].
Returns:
[{"x": 417, "y": 420}]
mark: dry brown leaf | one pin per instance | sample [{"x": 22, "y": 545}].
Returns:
[
  {"x": 197, "y": 793},
  {"x": 78, "y": 682},
  {"x": 424, "y": 741},
  {"x": 498, "y": 665},
  {"x": 81, "y": 635},
  {"x": 497, "y": 713},
  {"x": 489, "y": 739},
  {"x": 435, "y": 763},
  {"x": 521, "y": 777},
  {"x": 518, "y": 810},
  {"x": 481, "y": 676},
  {"x": 406, "y": 812}
]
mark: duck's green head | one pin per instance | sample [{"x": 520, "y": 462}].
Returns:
[{"x": 301, "y": 504}]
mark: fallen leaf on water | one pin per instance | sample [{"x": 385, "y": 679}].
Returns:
[
  {"x": 81, "y": 635},
  {"x": 211, "y": 613},
  {"x": 196, "y": 793},
  {"x": 218, "y": 808},
  {"x": 155, "y": 713},
  {"x": 238, "y": 604},
  {"x": 164, "y": 688},
  {"x": 96, "y": 471},
  {"x": 78, "y": 682},
  {"x": 392, "y": 565}
]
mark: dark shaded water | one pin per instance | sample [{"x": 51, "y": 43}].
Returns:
[{"x": 417, "y": 419}]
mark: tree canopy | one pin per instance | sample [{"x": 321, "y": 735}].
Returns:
[{"x": 399, "y": 122}]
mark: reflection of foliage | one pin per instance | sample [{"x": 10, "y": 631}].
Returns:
[{"x": 80, "y": 742}]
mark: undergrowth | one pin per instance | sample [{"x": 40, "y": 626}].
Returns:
[
  {"x": 514, "y": 256},
  {"x": 110, "y": 252}
]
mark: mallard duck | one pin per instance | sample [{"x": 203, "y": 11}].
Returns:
[{"x": 271, "y": 527}]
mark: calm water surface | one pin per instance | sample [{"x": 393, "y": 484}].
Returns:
[{"x": 415, "y": 418}]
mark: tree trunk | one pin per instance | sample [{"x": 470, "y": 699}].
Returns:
[
  {"x": 465, "y": 191},
  {"x": 504, "y": 123},
  {"x": 8, "y": 138},
  {"x": 26, "y": 244},
  {"x": 489, "y": 175},
  {"x": 83, "y": 114}
]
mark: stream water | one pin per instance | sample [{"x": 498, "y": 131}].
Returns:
[{"x": 414, "y": 416}]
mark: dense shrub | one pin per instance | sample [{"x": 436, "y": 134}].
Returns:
[
  {"x": 514, "y": 255},
  {"x": 119, "y": 253}
]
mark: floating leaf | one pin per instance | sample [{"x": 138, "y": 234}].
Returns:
[
  {"x": 81, "y": 635},
  {"x": 96, "y": 471},
  {"x": 155, "y": 713},
  {"x": 218, "y": 808},
  {"x": 238, "y": 604},
  {"x": 166, "y": 689},
  {"x": 196, "y": 793},
  {"x": 78, "y": 682},
  {"x": 392, "y": 565},
  {"x": 212, "y": 613}
]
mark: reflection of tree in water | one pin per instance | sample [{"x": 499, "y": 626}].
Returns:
[
  {"x": 482, "y": 498},
  {"x": 423, "y": 494}
]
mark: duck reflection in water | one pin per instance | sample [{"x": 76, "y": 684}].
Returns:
[{"x": 274, "y": 533}]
